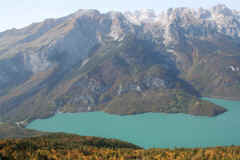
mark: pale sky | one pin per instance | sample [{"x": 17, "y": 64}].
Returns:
[{"x": 20, "y": 13}]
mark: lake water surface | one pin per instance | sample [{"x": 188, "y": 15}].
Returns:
[{"x": 153, "y": 129}]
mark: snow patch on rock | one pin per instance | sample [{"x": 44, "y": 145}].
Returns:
[{"x": 234, "y": 68}]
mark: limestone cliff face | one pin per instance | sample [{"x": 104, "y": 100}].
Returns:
[{"x": 138, "y": 61}]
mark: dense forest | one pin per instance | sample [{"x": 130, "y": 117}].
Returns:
[{"x": 71, "y": 147}]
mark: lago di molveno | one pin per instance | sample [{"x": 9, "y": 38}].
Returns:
[{"x": 153, "y": 129}]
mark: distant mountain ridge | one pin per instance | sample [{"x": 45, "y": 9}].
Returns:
[{"x": 121, "y": 63}]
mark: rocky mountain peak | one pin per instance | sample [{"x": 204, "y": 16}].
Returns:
[
  {"x": 180, "y": 11},
  {"x": 146, "y": 14},
  {"x": 86, "y": 12},
  {"x": 115, "y": 14},
  {"x": 221, "y": 9},
  {"x": 141, "y": 16}
]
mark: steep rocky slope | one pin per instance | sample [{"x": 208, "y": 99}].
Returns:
[{"x": 121, "y": 63}]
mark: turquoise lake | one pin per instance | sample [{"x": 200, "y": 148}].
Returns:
[{"x": 153, "y": 130}]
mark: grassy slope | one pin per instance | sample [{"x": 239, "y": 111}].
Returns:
[{"x": 61, "y": 146}]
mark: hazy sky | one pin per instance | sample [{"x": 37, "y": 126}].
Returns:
[{"x": 19, "y": 13}]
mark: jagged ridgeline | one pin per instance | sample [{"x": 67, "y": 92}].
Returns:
[{"x": 121, "y": 63}]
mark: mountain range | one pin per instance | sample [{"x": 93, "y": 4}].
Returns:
[{"x": 121, "y": 63}]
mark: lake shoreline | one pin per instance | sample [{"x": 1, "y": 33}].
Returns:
[
  {"x": 122, "y": 115},
  {"x": 153, "y": 130}
]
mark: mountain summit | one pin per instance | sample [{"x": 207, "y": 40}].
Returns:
[{"x": 121, "y": 63}]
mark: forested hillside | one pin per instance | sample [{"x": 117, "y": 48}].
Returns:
[{"x": 62, "y": 146}]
